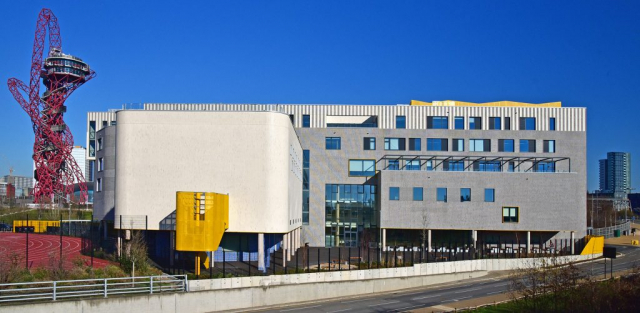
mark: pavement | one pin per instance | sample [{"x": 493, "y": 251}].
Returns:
[{"x": 489, "y": 289}]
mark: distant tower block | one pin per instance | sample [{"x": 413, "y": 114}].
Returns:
[{"x": 55, "y": 169}]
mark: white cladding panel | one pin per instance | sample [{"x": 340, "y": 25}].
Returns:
[{"x": 254, "y": 157}]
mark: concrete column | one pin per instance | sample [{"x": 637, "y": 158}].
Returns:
[
  {"x": 429, "y": 240},
  {"x": 261, "y": 252},
  {"x": 285, "y": 249},
  {"x": 572, "y": 245},
  {"x": 384, "y": 239},
  {"x": 292, "y": 247},
  {"x": 528, "y": 242},
  {"x": 474, "y": 237}
]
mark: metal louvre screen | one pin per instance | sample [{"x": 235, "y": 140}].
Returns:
[{"x": 201, "y": 219}]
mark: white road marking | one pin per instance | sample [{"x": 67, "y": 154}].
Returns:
[
  {"x": 390, "y": 302},
  {"x": 339, "y": 310},
  {"x": 425, "y": 297},
  {"x": 495, "y": 292},
  {"x": 466, "y": 290},
  {"x": 306, "y": 307},
  {"x": 354, "y": 301}
]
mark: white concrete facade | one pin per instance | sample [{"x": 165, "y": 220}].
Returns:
[{"x": 255, "y": 157}]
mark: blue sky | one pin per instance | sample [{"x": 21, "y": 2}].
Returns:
[{"x": 582, "y": 53}]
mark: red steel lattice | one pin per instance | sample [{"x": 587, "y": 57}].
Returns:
[{"x": 55, "y": 168}]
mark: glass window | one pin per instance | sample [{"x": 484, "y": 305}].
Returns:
[
  {"x": 511, "y": 167},
  {"x": 417, "y": 194},
  {"x": 429, "y": 166},
  {"x": 306, "y": 121},
  {"x": 465, "y": 194},
  {"x": 527, "y": 145},
  {"x": 349, "y": 210},
  {"x": 527, "y": 123},
  {"x": 475, "y": 123},
  {"x": 413, "y": 165},
  {"x": 100, "y": 165},
  {"x": 457, "y": 144},
  {"x": 437, "y": 144},
  {"x": 480, "y": 145},
  {"x": 305, "y": 187},
  {"x": 441, "y": 194},
  {"x": 507, "y": 123},
  {"x": 401, "y": 121},
  {"x": 510, "y": 214},
  {"x": 459, "y": 122},
  {"x": 454, "y": 166},
  {"x": 486, "y": 166},
  {"x": 394, "y": 193},
  {"x": 494, "y": 123},
  {"x": 99, "y": 184},
  {"x": 548, "y": 167},
  {"x": 369, "y": 143},
  {"x": 394, "y": 144},
  {"x": 393, "y": 165},
  {"x": 489, "y": 195},
  {"x": 362, "y": 167},
  {"x": 99, "y": 144},
  {"x": 415, "y": 144},
  {"x": 437, "y": 122},
  {"x": 550, "y": 146},
  {"x": 505, "y": 145},
  {"x": 552, "y": 123},
  {"x": 332, "y": 143}
]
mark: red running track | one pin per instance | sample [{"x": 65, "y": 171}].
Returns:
[{"x": 44, "y": 248}]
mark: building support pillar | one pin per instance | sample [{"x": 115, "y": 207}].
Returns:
[
  {"x": 573, "y": 234},
  {"x": 429, "y": 240},
  {"x": 384, "y": 239},
  {"x": 474, "y": 237},
  {"x": 285, "y": 249},
  {"x": 528, "y": 242},
  {"x": 261, "y": 252}
]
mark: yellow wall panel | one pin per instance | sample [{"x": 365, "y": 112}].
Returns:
[
  {"x": 594, "y": 245},
  {"x": 201, "y": 220}
]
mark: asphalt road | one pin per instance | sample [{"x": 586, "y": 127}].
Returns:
[{"x": 445, "y": 293}]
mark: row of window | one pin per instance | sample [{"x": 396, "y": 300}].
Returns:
[
  {"x": 442, "y": 144},
  {"x": 367, "y": 168},
  {"x": 441, "y": 194},
  {"x": 305, "y": 187},
  {"x": 442, "y": 122}
]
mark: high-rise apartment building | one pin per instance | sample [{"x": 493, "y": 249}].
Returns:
[
  {"x": 79, "y": 155},
  {"x": 615, "y": 174}
]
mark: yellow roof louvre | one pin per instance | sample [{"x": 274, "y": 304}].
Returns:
[{"x": 453, "y": 103}]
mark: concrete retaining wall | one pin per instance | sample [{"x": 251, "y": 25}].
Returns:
[{"x": 250, "y": 292}]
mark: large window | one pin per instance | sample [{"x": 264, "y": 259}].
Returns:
[
  {"x": 393, "y": 165},
  {"x": 362, "y": 167},
  {"x": 429, "y": 165},
  {"x": 549, "y": 146},
  {"x": 486, "y": 166},
  {"x": 441, "y": 194},
  {"x": 505, "y": 145},
  {"x": 465, "y": 194},
  {"x": 394, "y": 144},
  {"x": 415, "y": 144},
  {"x": 332, "y": 143},
  {"x": 100, "y": 164},
  {"x": 369, "y": 143},
  {"x": 507, "y": 123},
  {"x": 437, "y": 122},
  {"x": 457, "y": 144},
  {"x": 417, "y": 193},
  {"x": 527, "y": 123},
  {"x": 437, "y": 144},
  {"x": 549, "y": 167},
  {"x": 99, "y": 144},
  {"x": 394, "y": 193},
  {"x": 475, "y": 123},
  {"x": 480, "y": 145},
  {"x": 459, "y": 122},
  {"x": 552, "y": 123},
  {"x": 494, "y": 123},
  {"x": 305, "y": 187},
  {"x": 306, "y": 121},
  {"x": 454, "y": 166},
  {"x": 489, "y": 195},
  {"x": 99, "y": 184},
  {"x": 401, "y": 121},
  {"x": 527, "y": 145},
  {"x": 413, "y": 165},
  {"x": 350, "y": 210},
  {"x": 510, "y": 214}
]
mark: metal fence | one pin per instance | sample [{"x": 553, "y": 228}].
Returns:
[
  {"x": 87, "y": 288},
  {"x": 609, "y": 232}
]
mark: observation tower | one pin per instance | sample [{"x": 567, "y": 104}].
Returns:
[{"x": 61, "y": 74}]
